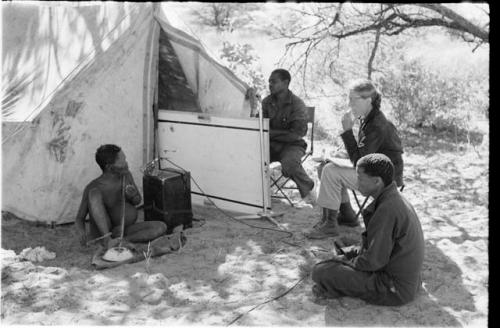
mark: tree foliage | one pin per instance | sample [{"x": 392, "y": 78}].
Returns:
[
  {"x": 329, "y": 44},
  {"x": 242, "y": 61},
  {"x": 350, "y": 40},
  {"x": 423, "y": 97},
  {"x": 331, "y": 23},
  {"x": 224, "y": 16}
]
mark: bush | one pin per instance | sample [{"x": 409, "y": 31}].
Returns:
[
  {"x": 423, "y": 97},
  {"x": 320, "y": 133},
  {"x": 224, "y": 16},
  {"x": 242, "y": 61}
]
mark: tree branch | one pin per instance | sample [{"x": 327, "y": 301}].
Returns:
[
  {"x": 350, "y": 20},
  {"x": 372, "y": 55},
  {"x": 464, "y": 24}
]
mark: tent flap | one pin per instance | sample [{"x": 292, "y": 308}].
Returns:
[
  {"x": 79, "y": 75},
  {"x": 91, "y": 97}
]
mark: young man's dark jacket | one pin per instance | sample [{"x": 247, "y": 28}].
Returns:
[
  {"x": 291, "y": 116},
  {"x": 393, "y": 244},
  {"x": 376, "y": 135}
]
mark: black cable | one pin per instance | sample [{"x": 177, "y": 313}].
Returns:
[{"x": 267, "y": 301}]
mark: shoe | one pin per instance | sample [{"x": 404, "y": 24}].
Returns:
[
  {"x": 311, "y": 197},
  {"x": 347, "y": 216},
  {"x": 323, "y": 218},
  {"x": 302, "y": 204},
  {"x": 328, "y": 229},
  {"x": 319, "y": 224},
  {"x": 322, "y": 233}
]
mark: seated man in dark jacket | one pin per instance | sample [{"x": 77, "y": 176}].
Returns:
[
  {"x": 376, "y": 135},
  {"x": 387, "y": 269},
  {"x": 287, "y": 127}
]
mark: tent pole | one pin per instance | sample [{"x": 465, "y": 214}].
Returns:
[{"x": 265, "y": 214}]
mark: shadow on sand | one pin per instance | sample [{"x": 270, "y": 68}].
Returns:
[{"x": 443, "y": 291}]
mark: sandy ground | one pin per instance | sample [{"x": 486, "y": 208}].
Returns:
[{"x": 231, "y": 273}]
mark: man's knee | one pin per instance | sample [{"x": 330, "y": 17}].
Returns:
[
  {"x": 157, "y": 226},
  {"x": 336, "y": 175},
  {"x": 317, "y": 273},
  {"x": 145, "y": 231},
  {"x": 324, "y": 270},
  {"x": 331, "y": 171}
]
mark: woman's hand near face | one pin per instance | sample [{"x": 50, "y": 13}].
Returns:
[{"x": 347, "y": 121}]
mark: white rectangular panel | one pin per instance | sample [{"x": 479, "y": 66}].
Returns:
[{"x": 222, "y": 156}]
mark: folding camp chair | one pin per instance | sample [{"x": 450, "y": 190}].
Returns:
[
  {"x": 282, "y": 186},
  {"x": 366, "y": 199}
]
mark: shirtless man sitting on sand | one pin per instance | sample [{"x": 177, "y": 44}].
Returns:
[{"x": 102, "y": 200}]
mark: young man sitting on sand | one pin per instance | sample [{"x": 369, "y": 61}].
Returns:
[
  {"x": 103, "y": 201},
  {"x": 386, "y": 269}
]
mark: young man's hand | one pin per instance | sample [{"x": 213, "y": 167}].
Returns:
[
  {"x": 338, "y": 258},
  {"x": 351, "y": 252}
]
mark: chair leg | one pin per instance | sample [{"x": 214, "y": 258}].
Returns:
[
  {"x": 359, "y": 206},
  {"x": 284, "y": 195},
  {"x": 356, "y": 198},
  {"x": 280, "y": 190},
  {"x": 283, "y": 185},
  {"x": 275, "y": 182}
]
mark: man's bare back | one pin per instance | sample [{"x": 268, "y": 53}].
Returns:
[{"x": 110, "y": 190}]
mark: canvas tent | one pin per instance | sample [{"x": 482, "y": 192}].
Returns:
[{"x": 78, "y": 75}]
